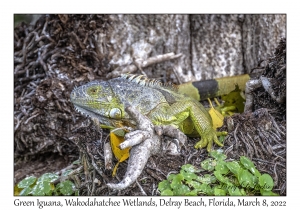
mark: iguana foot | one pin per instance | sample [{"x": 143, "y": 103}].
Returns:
[{"x": 208, "y": 139}]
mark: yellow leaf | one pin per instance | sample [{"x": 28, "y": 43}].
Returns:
[
  {"x": 121, "y": 155},
  {"x": 17, "y": 190},
  {"x": 217, "y": 117}
]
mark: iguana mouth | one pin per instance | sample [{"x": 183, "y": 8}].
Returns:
[{"x": 102, "y": 119}]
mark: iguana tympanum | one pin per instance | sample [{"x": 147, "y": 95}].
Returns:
[{"x": 162, "y": 104}]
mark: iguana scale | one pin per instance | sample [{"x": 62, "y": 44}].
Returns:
[{"x": 162, "y": 104}]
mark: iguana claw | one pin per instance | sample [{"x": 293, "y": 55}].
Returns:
[{"x": 208, "y": 139}]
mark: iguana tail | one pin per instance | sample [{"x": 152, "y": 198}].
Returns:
[{"x": 202, "y": 90}]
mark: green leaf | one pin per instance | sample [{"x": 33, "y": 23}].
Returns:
[
  {"x": 246, "y": 179},
  {"x": 208, "y": 164},
  {"x": 167, "y": 192},
  {"x": 192, "y": 193},
  {"x": 48, "y": 177},
  {"x": 219, "y": 192},
  {"x": 267, "y": 193},
  {"x": 181, "y": 189},
  {"x": 218, "y": 155},
  {"x": 222, "y": 179},
  {"x": 206, "y": 189},
  {"x": 266, "y": 182},
  {"x": 194, "y": 184},
  {"x": 41, "y": 188},
  {"x": 26, "y": 191},
  {"x": 28, "y": 181},
  {"x": 235, "y": 191},
  {"x": 257, "y": 173},
  {"x": 164, "y": 185},
  {"x": 176, "y": 182},
  {"x": 248, "y": 164},
  {"x": 66, "y": 187},
  {"x": 221, "y": 167},
  {"x": 188, "y": 175},
  {"x": 234, "y": 167},
  {"x": 206, "y": 179},
  {"x": 171, "y": 177}
]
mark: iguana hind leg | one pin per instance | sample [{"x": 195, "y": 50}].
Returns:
[{"x": 201, "y": 121}]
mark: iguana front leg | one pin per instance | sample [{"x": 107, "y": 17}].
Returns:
[{"x": 145, "y": 141}]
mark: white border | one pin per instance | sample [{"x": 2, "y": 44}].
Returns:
[{"x": 8, "y": 8}]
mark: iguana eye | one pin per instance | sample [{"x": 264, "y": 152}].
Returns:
[
  {"x": 93, "y": 90},
  {"x": 115, "y": 113}
]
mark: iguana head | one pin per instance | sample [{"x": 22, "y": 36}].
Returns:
[{"x": 97, "y": 100}]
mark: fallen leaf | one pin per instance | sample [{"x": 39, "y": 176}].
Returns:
[
  {"x": 216, "y": 116},
  {"x": 121, "y": 155}
]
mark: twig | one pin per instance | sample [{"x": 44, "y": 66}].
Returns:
[{"x": 141, "y": 189}]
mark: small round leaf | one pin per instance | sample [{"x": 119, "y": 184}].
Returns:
[
  {"x": 67, "y": 187},
  {"x": 27, "y": 182},
  {"x": 266, "y": 182},
  {"x": 41, "y": 188}
]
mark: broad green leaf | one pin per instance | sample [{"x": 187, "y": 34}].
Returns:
[
  {"x": 26, "y": 191},
  {"x": 171, "y": 177},
  {"x": 48, "y": 177},
  {"x": 194, "y": 184},
  {"x": 221, "y": 167},
  {"x": 188, "y": 176},
  {"x": 41, "y": 188},
  {"x": 192, "y": 193},
  {"x": 234, "y": 167},
  {"x": 167, "y": 192},
  {"x": 181, "y": 189},
  {"x": 267, "y": 193},
  {"x": 164, "y": 185},
  {"x": 222, "y": 179},
  {"x": 206, "y": 179},
  {"x": 266, "y": 182},
  {"x": 177, "y": 181},
  {"x": 28, "y": 181},
  {"x": 208, "y": 164},
  {"x": 246, "y": 179},
  {"x": 206, "y": 189},
  {"x": 218, "y": 155},
  {"x": 247, "y": 163},
  {"x": 219, "y": 192},
  {"x": 235, "y": 191},
  {"x": 66, "y": 187},
  {"x": 257, "y": 173}
]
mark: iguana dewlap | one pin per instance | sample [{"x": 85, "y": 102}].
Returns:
[{"x": 163, "y": 105}]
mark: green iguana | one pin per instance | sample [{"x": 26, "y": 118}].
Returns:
[{"x": 162, "y": 104}]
